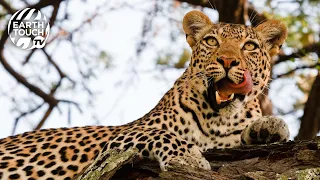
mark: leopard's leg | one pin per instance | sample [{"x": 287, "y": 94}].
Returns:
[
  {"x": 162, "y": 145},
  {"x": 267, "y": 129}
]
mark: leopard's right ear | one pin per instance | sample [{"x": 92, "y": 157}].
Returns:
[
  {"x": 273, "y": 33},
  {"x": 194, "y": 24}
]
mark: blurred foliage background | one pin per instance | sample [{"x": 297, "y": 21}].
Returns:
[{"x": 60, "y": 77}]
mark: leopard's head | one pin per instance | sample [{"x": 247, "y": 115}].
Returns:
[{"x": 234, "y": 58}]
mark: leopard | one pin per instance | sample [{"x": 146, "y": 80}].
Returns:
[{"x": 213, "y": 105}]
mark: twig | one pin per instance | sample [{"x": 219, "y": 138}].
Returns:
[
  {"x": 54, "y": 14},
  {"x": 300, "y": 53},
  {"x": 56, "y": 86},
  {"x": 47, "y": 98},
  {"x": 24, "y": 114},
  {"x": 44, "y": 3},
  {"x": 41, "y": 4},
  {"x": 62, "y": 74},
  {"x": 67, "y": 34},
  {"x": 27, "y": 59},
  {"x": 297, "y": 68},
  {"x": 73, "y": 103},
  {"x": 51, "y": 22},
  {"x": 44, "y": 118}
]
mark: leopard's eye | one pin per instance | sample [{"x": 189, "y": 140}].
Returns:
[
  {"x": 211, "y": 41},
  {"x": 250, "y": 46}
]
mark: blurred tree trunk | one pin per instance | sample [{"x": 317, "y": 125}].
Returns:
[
  {"x": 232, "y": 11},
  {"x": 310, "y": 121},
  {"x": 237, "y": 11}
]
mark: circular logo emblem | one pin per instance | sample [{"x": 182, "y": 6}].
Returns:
[{"x": 28, "y": 29}]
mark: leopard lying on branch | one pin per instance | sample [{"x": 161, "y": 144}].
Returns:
[{"x": 212, "y": 105}]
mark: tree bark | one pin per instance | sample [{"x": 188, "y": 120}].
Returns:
[
  {"x": 295, "y": 160},
  {"x": 232, "y": 11},
  {"x": 310, "y": 121}
]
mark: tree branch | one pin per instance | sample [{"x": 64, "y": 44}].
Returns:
[
  {"x": 39, "y": 5},
  {"x": 54, "y": 64},
  {"x": 44, "y": 118},
  {"x": 254, "y": 17},
  {"x": 26, "y": 60},
  {"x": 54, "y": 14},
  {"x": 47, "y": 98},
  {"x": 73, "y": 103},
  {"x": 7, "y": 6},
  {"x": 297, "y": 68},
  {"x": 273, "y": 161},
  {"x": 310, "y": 121},
  {"x": 300, "y": 53},
  {"x": 25, "y": 114},
  {"x": 44, "y": 3}
]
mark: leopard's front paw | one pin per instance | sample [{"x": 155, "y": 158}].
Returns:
[
  {"x": 267, "y": 129},
  {"x": 192, "y": 157}
]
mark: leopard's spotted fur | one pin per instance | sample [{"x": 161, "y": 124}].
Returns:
[{"x": 185, "y": 122}]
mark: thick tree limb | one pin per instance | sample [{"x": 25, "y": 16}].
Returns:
[{"x": 295, "y": 160}]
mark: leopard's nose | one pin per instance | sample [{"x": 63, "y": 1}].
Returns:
[{"x": 228, "y": 63}]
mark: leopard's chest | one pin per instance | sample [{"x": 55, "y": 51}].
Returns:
[{"x": 217, "y": 133}]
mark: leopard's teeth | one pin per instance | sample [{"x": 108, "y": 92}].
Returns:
[
  {"x": 231, "y": 97},
  {"x": 218, "y": 98}
]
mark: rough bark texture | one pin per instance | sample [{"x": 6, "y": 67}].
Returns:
[
  {"x": 310, "y": 121},
  {"x": 106, "y": 164},
  {"x": 295, "y": 160}
]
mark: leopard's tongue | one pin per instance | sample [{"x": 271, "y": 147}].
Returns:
[{"x": 226, "y": 88}]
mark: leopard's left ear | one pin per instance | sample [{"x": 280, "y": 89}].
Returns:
[
  {"x": 194, "y": 24},
  {"x": 273, "y": 33}
]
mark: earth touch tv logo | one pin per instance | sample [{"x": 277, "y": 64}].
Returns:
[{"x": 28, "y": 29}]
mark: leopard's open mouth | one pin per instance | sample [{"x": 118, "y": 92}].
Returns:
[{"x": 223, "y": 92}]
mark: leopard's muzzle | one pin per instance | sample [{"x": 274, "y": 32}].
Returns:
[{"x": 223, "y": 92}]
